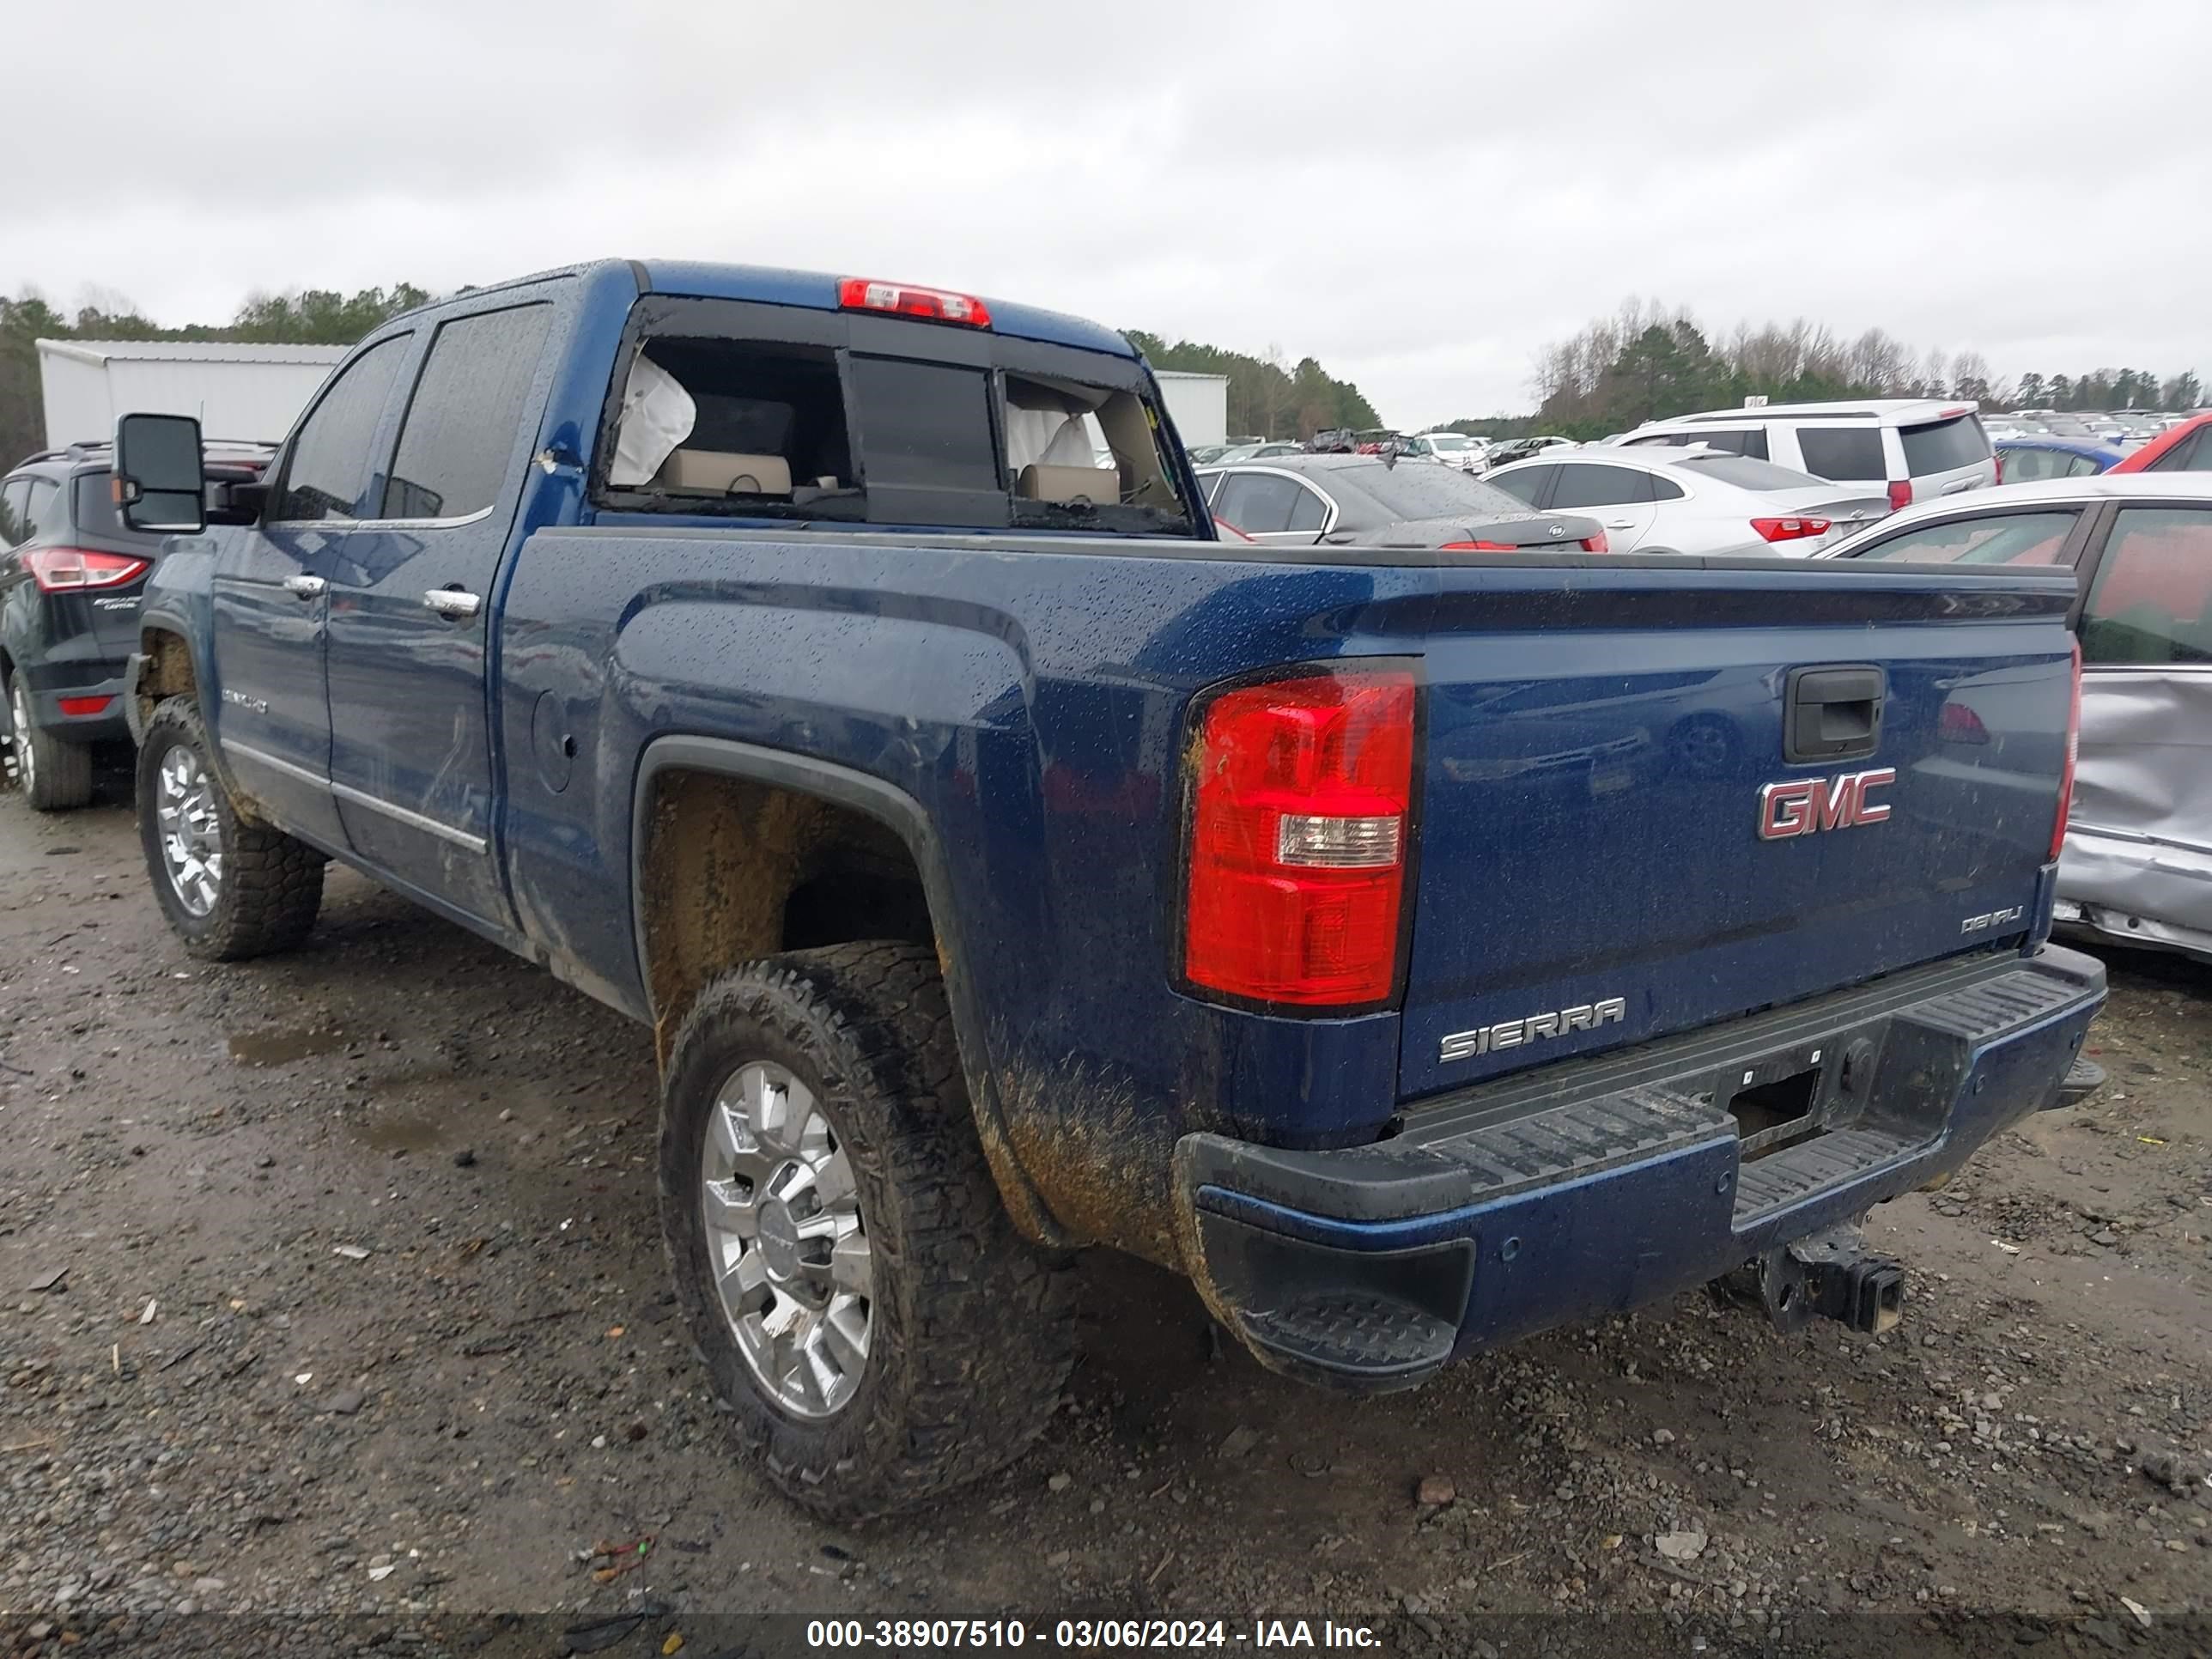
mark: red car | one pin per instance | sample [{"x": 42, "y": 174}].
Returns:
[{"x": 2183, "y": 448}]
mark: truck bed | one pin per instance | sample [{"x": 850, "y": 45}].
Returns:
[{"x": 1028, "y": 695}]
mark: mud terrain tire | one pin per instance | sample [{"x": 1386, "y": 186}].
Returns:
[
  {"x": 970, "y": 1327},
  {"x": 270, "y": 887}
]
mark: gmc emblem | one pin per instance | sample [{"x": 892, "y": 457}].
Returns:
[{"x": 1806, "y": 806}]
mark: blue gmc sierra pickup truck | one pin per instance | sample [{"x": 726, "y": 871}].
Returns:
[{"x": 1417, "y": 949}]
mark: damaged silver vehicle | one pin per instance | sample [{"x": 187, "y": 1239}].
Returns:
[{"x": 2137, "y": 867}]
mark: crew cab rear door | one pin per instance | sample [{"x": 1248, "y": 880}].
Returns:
[
  {"x": 1661, "y": 796},
  {"x": 411, "y": 604}
]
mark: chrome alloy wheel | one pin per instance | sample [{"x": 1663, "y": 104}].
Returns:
[
  {"x": 785, "y": 1241},
  {"x": 191, "y": 832},
  {"x": 19, "y": 715}
]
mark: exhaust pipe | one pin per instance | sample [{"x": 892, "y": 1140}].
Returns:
[{"x": 1827, "y": 1276}]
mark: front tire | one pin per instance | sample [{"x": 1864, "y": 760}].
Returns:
[
  {"x": 230, "y": 889},
  {"x": 54, "y": 774},
  {"x": 864, "y": 1306}
]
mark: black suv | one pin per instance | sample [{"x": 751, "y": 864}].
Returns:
[{"x": 70, "y": 577}]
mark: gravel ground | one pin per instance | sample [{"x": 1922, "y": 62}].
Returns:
[{"x": 330, "y": 1290}]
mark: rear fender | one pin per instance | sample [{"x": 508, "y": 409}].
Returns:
[{"x": 902, "y": 815}]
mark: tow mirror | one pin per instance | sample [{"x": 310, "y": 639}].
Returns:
[{"x": 157, "y": 475}]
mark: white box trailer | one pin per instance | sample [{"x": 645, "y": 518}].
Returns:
[
  {"x": 1197, "y": 403},
  {"x": 236, "y": 391}
]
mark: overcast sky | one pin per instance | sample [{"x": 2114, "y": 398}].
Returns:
[{"x": 1417, "y": 195}]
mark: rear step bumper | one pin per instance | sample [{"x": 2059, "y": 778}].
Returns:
[{"x": 1605, "y": 1183}]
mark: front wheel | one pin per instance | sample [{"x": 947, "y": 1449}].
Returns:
[
  {"x": 230, "y": 888},
  {"x": 54, "y": 775},
  {"x": 878, "y": 1331}
]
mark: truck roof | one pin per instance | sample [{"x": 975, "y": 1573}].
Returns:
[
  {"x": 774, "y": 285},
  {"x": 818, "y": 289}
]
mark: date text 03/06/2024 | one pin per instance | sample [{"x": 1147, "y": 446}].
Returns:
[{"x": 937, "y": 1635}]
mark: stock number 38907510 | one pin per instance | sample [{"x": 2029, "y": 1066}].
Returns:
[{"x": 938, "y": 1635}]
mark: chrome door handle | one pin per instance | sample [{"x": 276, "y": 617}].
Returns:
[
  {"x": 452, "y": 602},
  {"x": 1621, "y": 524},
  {"x": 304, "y": 587}
]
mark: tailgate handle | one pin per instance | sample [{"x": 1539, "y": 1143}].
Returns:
[{"x": 1832, "y": 713}]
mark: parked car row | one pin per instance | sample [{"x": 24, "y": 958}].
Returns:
[
  {"x": 2124, "y": 427},
  {"x": 1905, "y": 449},
  {"x": 1379, "y": 500},
  {"x": 2185, "y": 446},
  {"x": 1700, "y": 500},
  {"x": 1460, "y": 449}
]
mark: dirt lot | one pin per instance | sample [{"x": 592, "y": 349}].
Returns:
[{"x": 362, "y": 1312}]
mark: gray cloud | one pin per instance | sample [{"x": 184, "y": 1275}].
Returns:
[{"x": 1419, "y": 198}]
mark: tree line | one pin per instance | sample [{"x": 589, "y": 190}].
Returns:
[
  {"x": 316, "y": 317},
  {"x": 1647, "y": 361},
  {"x": 1265, "y": 397},
  {"x": 1266, "y": 400},
  {"x": 1650, "y": 362}
]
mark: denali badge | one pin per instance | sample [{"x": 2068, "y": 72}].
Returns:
[
  {"x": 1536, "y": 1028},
  {"x": 1806, "y": 806}
]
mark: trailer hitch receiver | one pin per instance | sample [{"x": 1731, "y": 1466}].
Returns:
[{"x": 1828, "y": 1276}]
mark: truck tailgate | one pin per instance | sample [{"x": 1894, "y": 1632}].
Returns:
[{"x": 1601, "y": 859}]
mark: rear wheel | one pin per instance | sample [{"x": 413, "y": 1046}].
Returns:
[
  {"x": 230, "y": 889},
  {"x": 878, "y": 1331},
  {"x": 54, "y": 775}
]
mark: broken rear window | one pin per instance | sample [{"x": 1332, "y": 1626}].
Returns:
[{"x": 729, "y": 424}]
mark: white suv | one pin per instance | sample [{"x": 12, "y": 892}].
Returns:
[{"x": 1911, "y": 449}]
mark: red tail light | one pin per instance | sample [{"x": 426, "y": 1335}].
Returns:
[
  {"x": 2073, "y": 753},
  {"x": 81, "y": 706},
  {"x": 62, "y": 569},
  {"x": 1597, "y": 543},
  {"x": 1996, "y": 460},
  {"x": 1789, "y": 530},
  {"x": 1900, "y": 495},
  {"x": 1300, "y": 818},
  {"x": 939, "y": 304}
]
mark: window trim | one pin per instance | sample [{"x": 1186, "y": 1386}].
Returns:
[
  {"x": 1880, "y": 433},
  {"x": 7, "y": 484},
  {"x": 1537, "y": 464},
  {"x": 415, "y": 390},
  {"x": 1330, "y": 511},
  {"x": 280, "y": 485},
  {"x": 1648, "y": 499},
  {"x": 31, "y": 525},
  {"x": 1943, "y": 422},
  {"x": 2092, "y": 562},
  {"x": 2071, "y": 552}
]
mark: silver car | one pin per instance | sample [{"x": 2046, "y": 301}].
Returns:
[
  {"x": 1698, "y": 500},
  {"x": 1452, "y": 448},
  {"x": 2137, "y": 866}
]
